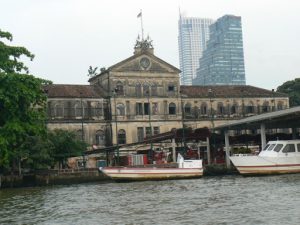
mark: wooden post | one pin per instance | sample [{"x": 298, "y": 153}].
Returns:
[
  {"x": 227, "y": 148},
  {"x": 263, "y": 135}
]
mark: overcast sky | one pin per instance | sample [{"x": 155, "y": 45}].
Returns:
[{"x": 67, "y": 36}]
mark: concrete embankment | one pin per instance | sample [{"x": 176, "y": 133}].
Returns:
[
  {"x": 52, "y": 177},
  {"x": 218, "y": 170}
]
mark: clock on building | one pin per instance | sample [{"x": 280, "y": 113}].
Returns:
[{"x": 145, "y": 63}]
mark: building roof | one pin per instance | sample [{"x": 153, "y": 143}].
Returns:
[
  {"x": 227, "y": 91},
  {"x": 73, "y": 91}
]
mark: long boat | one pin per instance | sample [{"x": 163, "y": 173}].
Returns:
[
  {"x": 277, "y": 157},
  {"x": 183, "y": 169}
]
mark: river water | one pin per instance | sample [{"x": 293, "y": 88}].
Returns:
[{"x": 210, "y": 200}]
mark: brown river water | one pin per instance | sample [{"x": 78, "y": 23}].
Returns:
[{"x": 209, "y": 200}]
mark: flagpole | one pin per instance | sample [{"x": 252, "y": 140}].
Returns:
[{"x": 142, "y": 25}]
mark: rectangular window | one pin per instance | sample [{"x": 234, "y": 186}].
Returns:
[
  {"x": 140, "y": 134},
  {"x": 139, "y": 108},
  {"x": 154, "y": 108},
  {"x": 146, "y": 108},
  {"x": 171, "y": 87},
  {"x": 156, "y": 130},
  {"x": 148, "y": 132}
]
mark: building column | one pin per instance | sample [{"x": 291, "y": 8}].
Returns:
[
  {"x": 227, "y": 148},
  {"x": 208, "y": 151},
  {"x": 263, "y": 135}
]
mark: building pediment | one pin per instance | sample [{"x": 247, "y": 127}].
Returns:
[{"x": 144, "y": 62}]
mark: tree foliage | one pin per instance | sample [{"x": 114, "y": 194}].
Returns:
[
  {"x": 24, "y": 140},
  {"x": 292, "y": 88},
  {"x": 22, "y": 104},
  {"x": 9, "y": 56},
  {"x": 65, "y": 145}
]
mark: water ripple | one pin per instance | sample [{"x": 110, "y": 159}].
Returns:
[{"x": 224, "y": 200}]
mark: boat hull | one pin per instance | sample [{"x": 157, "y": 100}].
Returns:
[
  {"x": 257, "y": 165},
  {"x": 142, "y": 174}
]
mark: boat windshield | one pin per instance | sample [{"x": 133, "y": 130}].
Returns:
[
  {"x": 266, "y": 147},
  {"x": 289, "y": 148},
  {"x": 278, "y": 147},
  {"x": 271, "y": 147}
]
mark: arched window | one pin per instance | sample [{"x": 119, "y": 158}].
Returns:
[
  {"x": 203, "y": 108},
  {"x": 100, "y": 137},
  {"x": 280, "y": 105},
  {"x": 172, "y": 109},
  {"x": 120, "y": 109},
  {"x": 234, "y": 108},
  {"x": 58, "y": 110},
  {"x": 121, "y": 137},
  {"x": 98, "y": 109},
  {"x": 221, "y": 109},
  {"x": 154, "y": 90},
  {"x": 120, "y": 88},
  {"x": 265, "y": 107},
  {"x": 187, "y": 109},
  {"x": 138, "y": 90},
  {"x": 250, "y": 108},
  {"x": 146, "y": 90},
  {"x": 78, "y": 109}
]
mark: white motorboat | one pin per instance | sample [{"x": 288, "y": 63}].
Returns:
[
  {"x": 278, "y": 157},
  {"x": 184, "y": 169}
]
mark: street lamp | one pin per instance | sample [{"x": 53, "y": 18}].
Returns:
[
  {"x": 82, "y": 134},
  {"x": 149, "y": 112},
  {"x": 210, "y": 95},
  {"x": 243, "y": 103},
  {"x": 182, "y": 121},
  {"x": 115, "y": 91},
  {"x": 273, "y": 95}
]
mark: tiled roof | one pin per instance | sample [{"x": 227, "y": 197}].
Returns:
[
  {"x": 227, "y": 91},
  {"x": 73, "y": 91}
]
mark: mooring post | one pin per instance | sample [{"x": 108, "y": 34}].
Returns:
[
  {"x": 208, "y": 151},
  {"x": 173, "y": 150},
  {"x": 227, "y": 148}
]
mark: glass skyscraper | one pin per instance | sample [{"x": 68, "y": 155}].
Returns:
[
  {"x": 222, "y": 62},
  {"x": 192, "y": 38}
]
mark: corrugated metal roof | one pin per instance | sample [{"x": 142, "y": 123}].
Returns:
[{"x": 287, "y": 118}]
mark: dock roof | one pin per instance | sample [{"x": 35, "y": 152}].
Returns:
[{"x": 288, "y": 118}]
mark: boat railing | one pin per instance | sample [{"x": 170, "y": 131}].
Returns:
[{"x": 243, "y": 154}]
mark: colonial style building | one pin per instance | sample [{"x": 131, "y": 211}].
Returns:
[{"x": 141, "y": 95}]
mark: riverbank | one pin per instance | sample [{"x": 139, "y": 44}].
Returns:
[
  {"x": 52, "y": 177},
  {"x": 75, "y": 176}
]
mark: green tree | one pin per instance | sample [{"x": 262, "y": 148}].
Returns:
[
  {"x": 66, "y": 145},
  {"x": 292, "y": 88},
  {"x": 22, "y": 104},
  {"x": 39, "y": 154}
]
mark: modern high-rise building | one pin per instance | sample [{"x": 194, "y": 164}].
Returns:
[
  {"x": 192, "y": 38},
  {"x": 222, "y": 62}
]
